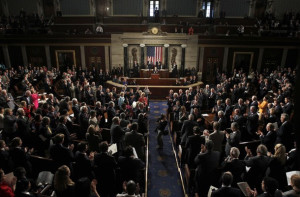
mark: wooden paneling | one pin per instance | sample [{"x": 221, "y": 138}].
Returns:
[
  {"x": 231, "y": 52},
  {"x": 15, "y": 55},
  {"x": 95, "y": 56},
  {"x": 291, "y": 59},
  {"x": 2, "y": 61},
  {"x": 75, "y": 48},
  {"x": 213, "y": 60},
  {"x": 272, "y": 58},
  {"x": 36, "y": 55}
]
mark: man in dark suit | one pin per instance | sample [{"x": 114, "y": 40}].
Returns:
[
  {"x": 228, "y": 109},
  {"x": 136, "y": 140},
  {"x": 83, "y": 165},
  {"x": 83, "y": 122},
  {"x": 252, "y": 123},
  {"x": 111, "y": 113},
  {"x": 187, "y": 129},
  {"x": 258, "y": 166},
  {"x": 193, "y": 146},
  {"x": 27, "y": 98},
  {"x": 76, "y": 110},
  {"x": 62, "y": 128},
  {"x": 22, "y": 126},
  {"x": 234, "y": 165},
  {"x": 284, "y": 133},
  {"x": 269, "y": 138},
  {"x": 130, "y": 167},
  {"x": 240, "y": 105},
  {"x": 117, "y": 133},
  {"x": 105, "y": 166},
  {"x": 232, "y": 139},
  {"x": 61, "y": 155},
  {"x": 226, "y": 189},
  {"x": 222, "y": 121},
  {"x": 207, "y": 162},
  {"x": 288, "y": 107}
]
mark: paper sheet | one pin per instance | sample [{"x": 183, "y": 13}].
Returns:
[{"x": 113, "y": 149}]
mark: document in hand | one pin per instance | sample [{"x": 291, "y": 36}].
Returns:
[
  {"x": 211, "y": 189},
  {"x": 113, "y": 149},
  {"x": 243, "y": 187},
  {"x": 290, "y": 174}
]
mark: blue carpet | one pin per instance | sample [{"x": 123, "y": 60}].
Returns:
[{"x": 163, "y": 176}]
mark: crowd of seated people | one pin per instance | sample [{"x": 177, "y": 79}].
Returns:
[
  {"x": 289, "y": 22},
  {"x": 212, "y": 123},
  {"x": 24, "y": 23},
  {"x": 73, "y": 131}
]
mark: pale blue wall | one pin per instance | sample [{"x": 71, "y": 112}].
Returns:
[
  {"x": 182, "y": 7},
  {"x": 29, "y": 6},
  {"x": 127, "y": 7},
  {"x": 75, "y": 7},
  {"x": 235, "y": 8},
  {"x": 281, "y": 6}
]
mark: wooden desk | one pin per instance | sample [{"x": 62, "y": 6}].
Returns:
[
  {"x": 146, "y": 73},
  {"x": 154, "y": 76}
]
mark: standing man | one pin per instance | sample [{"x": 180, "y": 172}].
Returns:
[{"x": 156, "y": 15}]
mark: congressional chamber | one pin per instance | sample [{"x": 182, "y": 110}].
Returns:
[{"x": 164, "y": 98}]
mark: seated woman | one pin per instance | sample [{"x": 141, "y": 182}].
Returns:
[
  {"x": 143, "y": 99},
  {"x": 63, "y": 184}
]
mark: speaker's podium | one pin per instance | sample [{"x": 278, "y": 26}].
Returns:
[{"x": 154, "y": 75}]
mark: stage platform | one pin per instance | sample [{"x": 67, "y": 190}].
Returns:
[{"x": 159, "y": 87}]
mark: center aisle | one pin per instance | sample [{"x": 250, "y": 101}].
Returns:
[{"x": 163, "y": 176}]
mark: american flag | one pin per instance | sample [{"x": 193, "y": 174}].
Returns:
[{"x": 154, "y": 54}]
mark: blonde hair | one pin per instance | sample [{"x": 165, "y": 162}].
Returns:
[
  {"x": 62, "y": 179},
  {"x": 280, "y": 153}
]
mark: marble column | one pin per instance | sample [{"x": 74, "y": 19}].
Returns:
[
  {"x": 48, "y": 57},
  {"x": 6, "y": 56},
  {"x": 145, "y": 8},
  {"x": 142, "y": 54},
  {"x": 5, "y": 9},
  {"x": 260, "y": 58},
  {"x": 225, "y": 59},
  {"x": 107, "y": 58},
  {"x": 201, "y": 57},
  {"x": 57, "y": 6},
  {"x": 24, "y": 55},
  {"x": 217, "y": 9},
  {"x": 82, "y": 55},
  {"x": 284, "y": 56},
  {"x": 93, "y": 7},
  {"x": 252, "y": 5},
  {"x": 166, "y": 56},
  {"x": 182, "y": 68},
  {"x": 125, "y": 70},
  {"x": 40, "y": 7}
]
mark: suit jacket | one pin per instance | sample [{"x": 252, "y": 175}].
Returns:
[
  {"x": 193, "y": 147},
  {"x": 105, "y": 166},
  {"x": 117, "y": 135},
  {"x": 228, "y": 111},
  {"x": 288, "y": 108},
  {"x": 137, "y": 141},
  {"x": 217, "y": 137},
  {"x": 61, "y": 155},
  {"x": 237, "y": 168},
  {"x": 259, "y": 165},
  {"x": 226, "y": 192},
  {"x": 20, "y": 158},
  {"x": 187, "y": 130},
  {"x": 62, "y": 128},
  {"x": 233, "y": 141},
  {"x": 242, "y": 108},
  {"x": 269, "y": 140},
  {"x": 83, "y": 166},
  {"x": 130, "y": 168},
  {"x": 223, "y": 123},
  {"x": 76, "y": 111},
  {"x": 252, "y": 124},
  {"x": 284, "y": 135},
  {"x": 206, "y": 171},
  {"x": 9, "y": 125}
]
